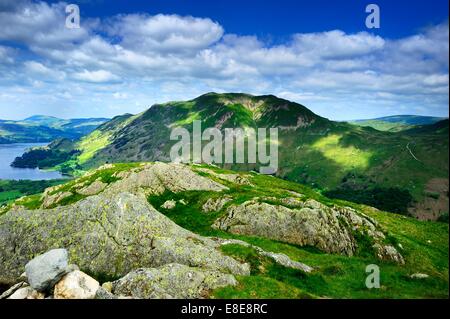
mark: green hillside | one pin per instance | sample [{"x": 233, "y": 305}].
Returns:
[
  {"x": 196, "y": 197},
  {"x": 40, "y": 128},
  {"x": 404, "y": 172},
  {"x": 397, "y": 123}
]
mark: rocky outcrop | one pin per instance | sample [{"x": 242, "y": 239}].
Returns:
[
  {"x": 92, "y": 189},
  {"x": 389, "y": 253},
  {"x": 312, "y": 225},
  {"x": 239, "y": 179},
  {"x": 49, "y": 200},
  {"x": 215, "y": 204},
  {"x": 171, "y": 281},
  {"x": 155, "y": 178},
  {"x": 106, "y": 234},
  {"x": 331, "y": 229}
]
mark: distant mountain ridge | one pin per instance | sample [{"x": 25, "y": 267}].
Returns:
[
  {"x": 42, "y": 128},
  {"x": 393, "y": 171},
  {"x": 396, "y": 123}
]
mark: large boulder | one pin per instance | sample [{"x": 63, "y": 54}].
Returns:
[
  {"x": 312, "y": 225},
  {"x": 44, "y": 271},
  {"x": 171, "y": 281},
  {"x": 108, "y": 234}
]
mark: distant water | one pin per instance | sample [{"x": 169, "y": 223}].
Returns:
[{"x": 8, "y": 152}]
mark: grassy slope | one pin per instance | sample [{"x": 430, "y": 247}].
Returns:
[
  {"x": 383, "y": 125},
  {"x": 397, "y": 123},
  {"x": 336, "y": 276},
  {"x": 11, "y": 190},
  {"x": 425, "y": 246}
]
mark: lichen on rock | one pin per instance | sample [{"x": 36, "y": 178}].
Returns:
[
  {"x": 171, "y": 281},
  {"x": 311, "y": 223},
  {"x": 106, "y": 234}
]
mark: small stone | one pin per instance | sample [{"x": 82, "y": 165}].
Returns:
[
  {"x": 76, "y": 285},
  {"x": 23, "y": 277},
  {"x": 27, "y": 293},
  {"x": 107, "y": 286},
  {"x": 419, "y": 276},
  {"x": 13, "y": 289},
  {"x": 170, "y": 204},
  {"x": 72, "y": 267},
  {"x": 388, "y": 252},
  {"x": 47, "y": 269},
  {"x": 102, "y": 293}
]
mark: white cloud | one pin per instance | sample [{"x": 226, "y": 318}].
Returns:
[
  {"x": 98, "y": 76},
  {"x": 165, "y": 57},
  {"x": 337, "y": 44},
  {"x": 39, "y": 25},
  {"x": 164, "y": 33}
]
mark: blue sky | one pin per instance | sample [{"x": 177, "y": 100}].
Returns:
[{"x": 129, "y": 55}]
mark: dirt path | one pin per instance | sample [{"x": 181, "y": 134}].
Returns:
[{"x": 410, "y": 152}]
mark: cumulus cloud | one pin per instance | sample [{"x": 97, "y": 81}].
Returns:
[
  {"x": 98, "y": 76},
  {"x": 149, "y": 59},
  {"x": 38, "y": 25},
  {"x": 164, "y": 33}
]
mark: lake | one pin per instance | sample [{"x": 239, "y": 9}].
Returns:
[{"x": 8, "y": 152}]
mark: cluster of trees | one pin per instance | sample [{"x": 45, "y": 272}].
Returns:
[
  {"x": 42, "y": 158},
  {"x": 12, "y": 189}
]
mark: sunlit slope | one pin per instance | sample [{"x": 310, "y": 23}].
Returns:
[{"x": 339, "y": 158}]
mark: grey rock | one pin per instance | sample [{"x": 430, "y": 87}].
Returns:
[
  {"x": 171, "y": 281},
  {"x": 279, "y": 258},
  {"x": 419, "y": 276},
  {"x": 314, "y": 224},
  {"x": 285, "y": 261},
  {"x": 388, "y": 252},
  {"x": 92, "y": 189},
  {"x": 215, "y": 204},
  {"x": 44, "y": 271},
  {"x": 53, "y": 199},
  {"x": 13, "y": 289},
  {"x": 169, "y": 204},
  {"x": 155, "y": 178},
  {"x": 27, "y": 293},
  {"x": 102, "y": 293},
  {"x": 331, "y": 229},
  {"x": 106, "y": 234}
]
